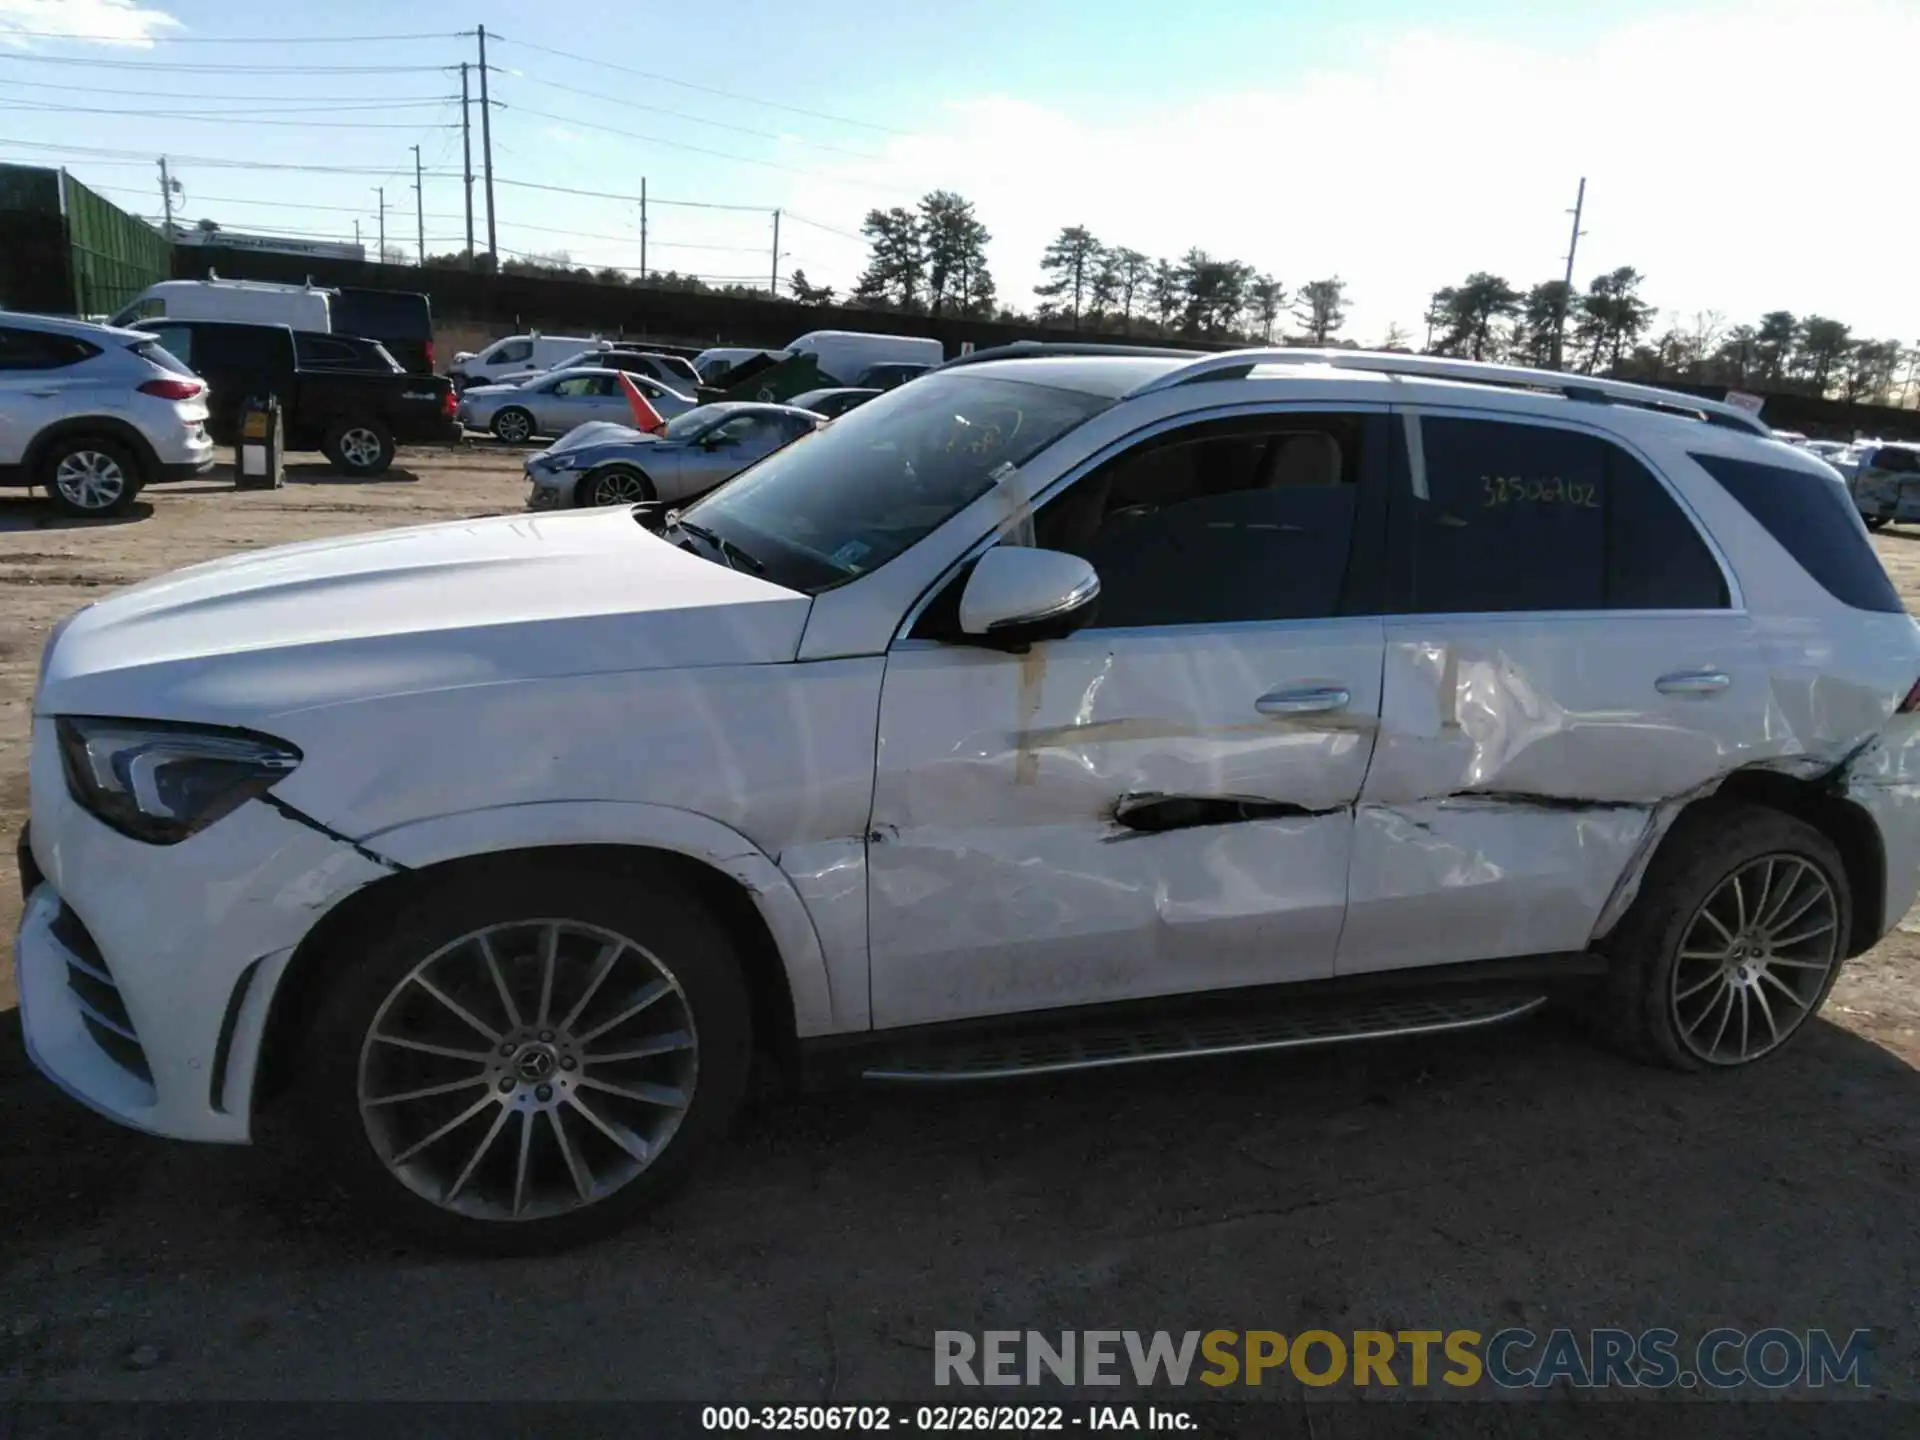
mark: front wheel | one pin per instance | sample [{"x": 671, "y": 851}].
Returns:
[
  {"x": 522, "y": 1058},
  {"x": 1734, "y": 941},
  {"x": 90, "y": 479},
  {"x": 614, "y": 485},
  {"x": 1877, "y": 522}
]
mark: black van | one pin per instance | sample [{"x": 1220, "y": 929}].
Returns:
[{"x": 401, "y": 320}]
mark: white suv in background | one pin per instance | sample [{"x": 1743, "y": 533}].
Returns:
[
  {"x": 92, "y": 414},
  {"x": 1060, "y": 709}
]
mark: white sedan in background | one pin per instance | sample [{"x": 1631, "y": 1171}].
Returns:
[{"x": 554, "y": 404}]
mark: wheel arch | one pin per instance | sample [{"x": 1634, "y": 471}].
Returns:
[
  {"x": 780, "y": 950},
  {"x": 1848, "y": 826},
  {"x": 107, "y": 427}
]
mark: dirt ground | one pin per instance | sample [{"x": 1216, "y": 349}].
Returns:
[{"x": 1519, "y": 1177}]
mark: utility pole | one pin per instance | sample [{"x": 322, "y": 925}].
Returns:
[
  {"x": 466, "y": 158},
  {"x": 643, "y": 227},
  {"x": 774, "y": 288},
  {"x": 166, "y": 198},
  {"x": 356, "y": 230},
  {"x": 419, "y": 207},
  {"x": 1566, "y": 298},
  {"x": 380, "y": 256},
  {"x": 486, "y": 150}
]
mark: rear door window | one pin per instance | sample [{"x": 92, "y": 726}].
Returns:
[
  {"x": 38, "y": 350},
  {"x": 1523, "y": 517}
]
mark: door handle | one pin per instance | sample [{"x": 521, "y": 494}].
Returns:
[
  {"x": 1693, "y": 682},
  {"x": 44, "y": 394},
  {"x": 1308, "y": 700}
]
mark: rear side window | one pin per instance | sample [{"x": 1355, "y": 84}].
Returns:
[
  {"x": 37, "y": 350},
  {"x": 1813, "y": 520},
  {"x": 1897, "y": 460},
  {"x": 158, "y": 354},
  {"x": 1525, "y": 517}
]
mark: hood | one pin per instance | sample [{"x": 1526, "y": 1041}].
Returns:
[
  {"x": 477, "y": 602},
  {"x": 598, "y": 432}
]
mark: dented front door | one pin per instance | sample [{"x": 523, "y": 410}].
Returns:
[
  {"x": 1570, "y": 661},
  {"x": 1161, "y": 802}
]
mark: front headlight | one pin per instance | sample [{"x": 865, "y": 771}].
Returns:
[
  {"x": 161, "y": 782},
  {"x": 566, "y": 460}
]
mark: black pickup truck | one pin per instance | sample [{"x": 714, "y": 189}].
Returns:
[{"x": 343, "y": 396}]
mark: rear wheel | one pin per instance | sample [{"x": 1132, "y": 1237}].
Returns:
[
  {"x": 90, "y": 478},
  {"x": 522, "y": 1059},
  {"x": 358, "y": 447},
  {"x": 1734, "y": 941},
  {"x": 1877, "y": 522},
  {"x": 613, "y": 485}
]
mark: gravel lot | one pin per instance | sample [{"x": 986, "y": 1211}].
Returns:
[{"x": 1521, "y": 1177}]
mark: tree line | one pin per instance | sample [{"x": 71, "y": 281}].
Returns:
[
  {"x": 1610, "y": 327},
  {"x": 932, "y": 260}
]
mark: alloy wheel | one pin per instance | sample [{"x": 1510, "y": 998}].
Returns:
[
  {"x": 360, "y": 448},
  {"x": 513, "y": 427},
  {"x": 1755, "y": 959},
  {"x": 618, "y": 487},
  {"x": 90, "y": 480},
  {"x": 528, "y": 1070}
]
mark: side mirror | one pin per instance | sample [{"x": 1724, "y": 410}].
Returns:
[{"x": 1017, "y": 595}]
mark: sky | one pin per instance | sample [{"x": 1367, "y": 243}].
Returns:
[{"x": 1744, "y": 157}]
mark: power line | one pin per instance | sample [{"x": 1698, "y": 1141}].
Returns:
[
  {"x": 701, "y": 150},
  {"x": 217, "y": 117},
  {"x": 281, "y": 99},
  {"x": 245, "y": 39},
  {"x": 830, "y": 229},
  {"x": 694, "y": 119},
  {"x": 225, "y": 69},
  {"x": 703, "y": 89},
  {"x": 630, "y": 199}
]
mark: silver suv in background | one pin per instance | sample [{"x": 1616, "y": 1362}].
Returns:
[
  {"x": 1885, "y": 482},
  {"x": 93, "y": 414}
]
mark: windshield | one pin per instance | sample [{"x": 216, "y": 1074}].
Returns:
[
  {"x": 881, "y": 478},
  {"x": 690, "y": 423}
]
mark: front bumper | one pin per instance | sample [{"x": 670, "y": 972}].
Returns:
[{"x": 146, "y": 972}]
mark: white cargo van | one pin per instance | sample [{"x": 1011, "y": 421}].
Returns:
[
  {"x": 846, "y": 355},
  {"x": 248, "y": 302},
  {"x": 518, "y": 353}
]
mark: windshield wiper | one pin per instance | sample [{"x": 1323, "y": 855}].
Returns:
[{"x": 729, "y": 551}]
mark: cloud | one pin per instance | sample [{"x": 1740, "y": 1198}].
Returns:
[
  {"x": 562, "y": 134},
  {"x": 1718, "y": 162},
  {"x": 106, "y": 22}
]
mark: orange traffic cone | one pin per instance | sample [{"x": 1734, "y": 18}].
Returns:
[{"x": 645, "y": 417}]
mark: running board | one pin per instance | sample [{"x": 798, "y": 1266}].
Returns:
[{"x": 1096, "y": 1047}]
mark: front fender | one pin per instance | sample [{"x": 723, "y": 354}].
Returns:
[{"x": 421, "y": 843}]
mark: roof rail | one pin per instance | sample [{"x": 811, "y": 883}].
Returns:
[
  {"x": 1023, "y": 349},
  {"x": 1237, "y": 364}
]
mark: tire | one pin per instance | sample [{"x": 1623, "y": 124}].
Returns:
[
  {"x": 674, "y": 951},
  {"x": 1877, "y": 522},
  {"x": 1654, "y": 990},
  {"x": 358, "y": 446},
  {"x": 514, "y": 425},
  {"x": 90, "y": 478},
  {"x": 613, "y": 485}
]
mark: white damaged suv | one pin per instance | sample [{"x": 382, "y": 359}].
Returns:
[{"x": 1063, "y": 708}]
